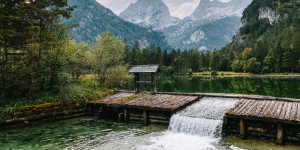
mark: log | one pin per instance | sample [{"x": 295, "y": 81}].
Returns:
[
  {"x": 279, "y": 133},
  {"x": 100, "y": 115},
  {"x": 242, "y": 129},
  {"x": 146, "y": 117},
  {"x": 126, "y": 115}
]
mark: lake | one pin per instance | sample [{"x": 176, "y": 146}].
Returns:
[
  {"x": 92, "y": 133},
  {"x": 278, "y": 86}
]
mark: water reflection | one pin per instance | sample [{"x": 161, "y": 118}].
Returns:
[{"x": 258, "y": 85}]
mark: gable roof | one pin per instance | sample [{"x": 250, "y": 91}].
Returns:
[{"x": 144, "y": 69}]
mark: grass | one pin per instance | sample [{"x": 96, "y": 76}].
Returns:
[
  {"x": 68, "y": 96},
  {"x": 130, "y": 98}
]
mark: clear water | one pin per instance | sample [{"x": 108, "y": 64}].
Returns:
[
  {"x": 285, "y": 86},
  {"x": 195, "y": 128}
]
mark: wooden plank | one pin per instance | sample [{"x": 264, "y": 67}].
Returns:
[
  {"x": 246, "y": 108},
  {"x": 288, "y": 111},
  {"x": 298, "y": 112},
  {"x": 266, "y": 108},
  {"x": 268, "y": 111},
  {"x": 283, "y": 111},
  {"x": 240, "y": 106},
  {"x": 278, "y": 110},
  {"x": 260, "y": 108},
  {"x": 293, "y": 114},
  {"x": 249, "y": 112}
]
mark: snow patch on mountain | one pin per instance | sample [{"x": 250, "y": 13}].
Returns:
[
  {"x": 197, "y": 36},
  {"x": 212, "y": 10},
  {"x": 149, "y": 13}
]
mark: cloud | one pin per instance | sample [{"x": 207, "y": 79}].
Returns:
[{"x": 117, "y": 6}]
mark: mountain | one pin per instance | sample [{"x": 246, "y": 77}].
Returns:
[
  {"x": 211, "y": 26},
  {"x": 271, "y": 28},
  {"x": 149, "y": 13},
  {"x": 202, "y": 35},
  {"x": 93, "y": 19},
  {"x": 212, "y": 10}
]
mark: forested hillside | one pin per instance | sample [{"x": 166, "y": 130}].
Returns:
[
  {"x": 93, "y": 19},
  {"x": 269, "y": 39}
]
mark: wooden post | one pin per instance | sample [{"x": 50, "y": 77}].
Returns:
[
  {"x": 242, "y": 129},
  {"x": 145, "y": 117},
  {"x": 91, "y": 111},
  {"x": 100, "y": 112},
  {"x": 126, "y": 115},
  {"x": 120, "y": 117},
  {"x": 136, "y": 84},
  {"x": 279, "y": 133},
  {"x": 153, "y": 83}
]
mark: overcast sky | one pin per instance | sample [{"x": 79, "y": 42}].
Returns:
[{"x": 178, "y": 8}]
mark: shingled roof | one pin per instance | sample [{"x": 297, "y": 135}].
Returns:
[{"x": 144, "y": 69}]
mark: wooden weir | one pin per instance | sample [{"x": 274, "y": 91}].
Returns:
[{"x": 256, "y": 116}]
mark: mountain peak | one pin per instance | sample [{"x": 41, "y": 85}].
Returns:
[
  {"x": 212, "y": 10},
  {"x": 154, "y": 14}
]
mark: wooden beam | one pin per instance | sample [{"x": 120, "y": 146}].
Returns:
[
  {"x": 153, "y": 84},
  {"x": 136, "y": 82},
  {"x": 91, "y": 111},
  {"x": 242, "y": 129},
  {"x": 100, "y": 112},
  {"x": 120, "y": 117},
  {"x": 146, "y": 117},
  {"x": 126, "y": 115},
  {"x": 279, "y": 133}
]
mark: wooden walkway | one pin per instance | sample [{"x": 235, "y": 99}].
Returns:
[
  {"x": 268, "y": 110},
  {"x": 158, "y": 102}
]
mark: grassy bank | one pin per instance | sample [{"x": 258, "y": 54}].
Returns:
[{"x": 67, "y": 97}]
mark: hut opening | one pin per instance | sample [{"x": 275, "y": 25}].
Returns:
[{"x": 143, "y": 70}]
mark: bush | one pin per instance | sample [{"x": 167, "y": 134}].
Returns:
[{"x": 214, "y": 73}]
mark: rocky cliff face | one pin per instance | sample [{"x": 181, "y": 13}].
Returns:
[
  {"x": 212, "y": 25},
  {"x": 212, "y": 10},
  {"x": 149, "y": 13},
  {"x": 270, "y": 14}
]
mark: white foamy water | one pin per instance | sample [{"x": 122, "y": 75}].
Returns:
[{"x": 198, "y": 127}]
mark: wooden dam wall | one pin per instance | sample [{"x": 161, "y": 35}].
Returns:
[{"x": 254, "y": 116}]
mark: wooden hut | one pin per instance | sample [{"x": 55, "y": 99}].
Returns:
[{"x": 138, "y": 70}]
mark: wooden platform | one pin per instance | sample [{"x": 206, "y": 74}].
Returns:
[
  {"x": 267, "y": 110},
  {"x": 158, "y": 102}
]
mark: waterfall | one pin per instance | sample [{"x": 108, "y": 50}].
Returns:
[{"x": 204, "y": 118}]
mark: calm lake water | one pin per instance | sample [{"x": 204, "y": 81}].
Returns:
[
  {"x": 92, "y": 133},
  {"x": 258, "y": 85}
]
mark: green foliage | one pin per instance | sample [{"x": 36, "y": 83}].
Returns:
[
  {"x": 275, "y": 46},
  {"x": 107, "y": 59},
  {"x": 101, "y": 19}
]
